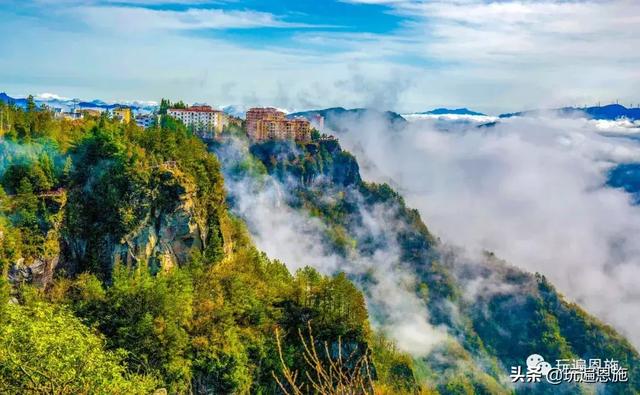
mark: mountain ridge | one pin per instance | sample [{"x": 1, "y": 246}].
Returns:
[
  {"x": 530, "y": 318},
  {"x": 607, "y": 112},
  {"x": 69, "y": 104},
  {"x": 447, "y": 111}
]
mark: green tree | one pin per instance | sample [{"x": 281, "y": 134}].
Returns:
[
  {"x": 146, "y": 315},
  {"x": 45, "y": 349},
  {"x": 31, "y": 104}
]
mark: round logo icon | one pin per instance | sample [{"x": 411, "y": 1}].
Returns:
[{"x": 533, "y": 360}]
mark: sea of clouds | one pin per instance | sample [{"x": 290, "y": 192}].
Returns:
[{"x": 531, "y": 189}]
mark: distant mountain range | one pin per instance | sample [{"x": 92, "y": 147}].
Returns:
[
  {"x": 238, "y": 111},
  {"x": 445, "y": 118},
  {"x": 608, "y": 112},
  {"x": 69, "y": 104},
  {"x": 447, "y": 111},
  {"x": 7, "y": 99},
  {"x": 336, "y": 117}
]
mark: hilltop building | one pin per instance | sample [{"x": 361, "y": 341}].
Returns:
[
  {"x": 89, "y": 112},
  {"x": 122, "y": 113},
  {"x": 272, "y": 124},
  {"x": 72, "y": 115},
  {"x": 204, "y": 120},
  {"x": 144, "y": 121}
]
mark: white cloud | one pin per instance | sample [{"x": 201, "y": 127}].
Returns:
[
  {"x": 296, "y": 239},
  {"x": 493, "y": 57},
  {"x": 617, "y": 126},
  {"x": 529, "y": 189},
  {"x": 139, "y": 19},
  {"x": 49, "y": 96},
  {"x": 448, "y": 118},
  {"x": 127, "y": 2}
]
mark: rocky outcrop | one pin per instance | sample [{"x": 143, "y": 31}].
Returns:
[
  {"x": 39, "y": 270},
  {"x": 163, "y": 240}
]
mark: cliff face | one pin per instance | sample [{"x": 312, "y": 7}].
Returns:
[
  {"x": 164, "y": 239},
  {"x": 170, "y": 230},
  {"x": 169, "y": 222},
  {"x": 39, "y": 269}
]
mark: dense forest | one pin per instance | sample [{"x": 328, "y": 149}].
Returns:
[
  {"x": 125, "y": 269},
  {"x": 124, "y": 272}
]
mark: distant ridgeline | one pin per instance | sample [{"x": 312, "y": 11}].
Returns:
[
  {"x": 607, "y": 112},
  {"x": 510, "y": 315},
  {"x": 334, "y": 117}
]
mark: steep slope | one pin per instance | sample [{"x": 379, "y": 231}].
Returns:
[{"x": 494, "y": 315}]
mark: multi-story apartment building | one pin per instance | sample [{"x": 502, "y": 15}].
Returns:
[
  {"x": 204, "y": 120},
  {"x": 256, "y": 116},
  {"x": 90, "y": 112},
  {"x": 269, "y": 123},
  {"x": 71, "y": 115},
  {"x": 122, "y": 113},
  {"x": 298, "y": 129},
  {"x": 145, "y": 121}
]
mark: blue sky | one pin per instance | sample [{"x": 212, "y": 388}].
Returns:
[{"x": 405, "y": 55}]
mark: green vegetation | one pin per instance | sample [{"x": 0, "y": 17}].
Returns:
[
  {"x": 123, "y": 271},
  {"x": 45, "y": 349},
  {"x": 493, "y": 331}
]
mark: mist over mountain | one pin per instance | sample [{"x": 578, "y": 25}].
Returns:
[
  {"x": 333, "y": 116},
  {"x": 313, "y": 193},
  {"x": 488, "y": 189},
  {"x": 607, "y": 112},
  {"x": 432, "y": 255},
  {"x": 334, "y": 197}
]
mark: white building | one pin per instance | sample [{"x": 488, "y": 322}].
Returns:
[
  {"x": 70, "y": 115},
  {"x": 144, "y": 121},
  {"x": 203, "y": 119}
]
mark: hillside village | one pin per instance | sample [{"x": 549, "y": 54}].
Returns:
[{"x": 261, "y": 123}]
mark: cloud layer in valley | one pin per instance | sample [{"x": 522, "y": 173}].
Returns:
[{"x": 529, "y": 189}]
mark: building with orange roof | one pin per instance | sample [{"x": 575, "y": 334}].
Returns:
[{"x": 272, "y": 124}]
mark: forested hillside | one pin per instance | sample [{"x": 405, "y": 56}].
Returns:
[
  {"x": 124, "y": 272},
  {"x": 495, "y": 315}
]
